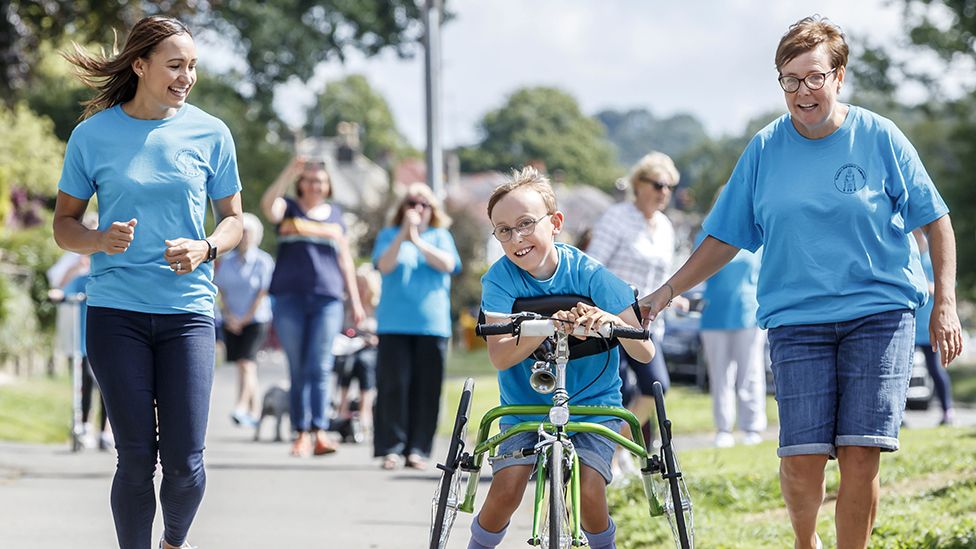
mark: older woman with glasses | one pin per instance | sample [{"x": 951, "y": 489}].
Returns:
[
  {"x": 635, "y": 240},
  {"x": 832, "y": 192},
  {"x": 416, "y": 256}
]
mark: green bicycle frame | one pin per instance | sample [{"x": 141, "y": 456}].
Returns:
[{"x": 486, "y": 445}]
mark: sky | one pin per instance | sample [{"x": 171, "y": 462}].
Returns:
[{"x": 710, "y": 58}]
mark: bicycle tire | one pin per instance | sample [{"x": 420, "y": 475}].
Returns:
[
  {"x": 444, "y": 509},
  {"x": 557, "y": 496},
  {"x": 680, "y": 501}
]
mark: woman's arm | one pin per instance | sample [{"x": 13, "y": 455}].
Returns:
[
  {"x": 945, "y": 332},
  {"x": 272, "y": 201},
  {"x": 349, "y": 276},
  {"x": 708, "y": 258},
  {"x": 71, "y": 235},
  {"x": 387, "y": 261},
  {"x": 438, "y": 259},
  {"x": 226, "y": 235}
]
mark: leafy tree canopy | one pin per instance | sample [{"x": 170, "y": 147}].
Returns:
[
  {"x": 30, "y": 155},
  {"x": 636, "y": 132},
  {"x": 544, "y": 124},
  {"x": 278, "y": 39},
  {"x": 352, "y": 99}
]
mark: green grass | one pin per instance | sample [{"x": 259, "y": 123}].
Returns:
[
  {"x": 927, "y": 492},
  {"x": 36, "y": 410},
  {"x": 689, "y": 408}
]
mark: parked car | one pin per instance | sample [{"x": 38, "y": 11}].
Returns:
[{"x": 921, "y": 388}]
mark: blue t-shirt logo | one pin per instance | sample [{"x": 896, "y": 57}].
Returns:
[
  {"x": 849, "y": 179},
  {"x": 189, "y": 162}
]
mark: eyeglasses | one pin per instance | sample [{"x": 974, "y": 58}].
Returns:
[
  {"x": 813, "y": 81},
  {"x": 657, "y": 184},
  {"x": 523, "y": 228},
  {"x": 414, "y": 203}
]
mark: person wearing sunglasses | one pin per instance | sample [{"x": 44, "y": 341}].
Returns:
[
  {"x": 416, "y": 257},
  {"x": 832, "y": 192},
  {"x": 635, "y": 240}
]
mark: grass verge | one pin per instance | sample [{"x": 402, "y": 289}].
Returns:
[{"x": 36, "y": 410}]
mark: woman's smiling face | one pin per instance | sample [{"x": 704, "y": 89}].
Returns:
[{"x": 815, "y": 113}]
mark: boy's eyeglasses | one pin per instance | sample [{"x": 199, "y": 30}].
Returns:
[
  {"x": 813, "y": 82},
  {"x": 523, "y": 228}
]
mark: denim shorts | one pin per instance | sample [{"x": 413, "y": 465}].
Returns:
[
  {"x": 594, "y": 451},
  {"x": 842, "y": 383}
]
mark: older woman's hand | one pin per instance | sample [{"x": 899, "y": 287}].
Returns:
[
  {"x": 945, "y": 332},
  {"x": 652, "y": 304}
]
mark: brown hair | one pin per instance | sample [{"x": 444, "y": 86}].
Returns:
[
  {"x": 438, "y": 218},
  {"x": 806, "y": 35},
  {"x": 113, "y": 76},
  {"x": 526, "y": 177}
]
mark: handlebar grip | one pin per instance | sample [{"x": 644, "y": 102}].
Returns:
[
  {"x": 504, "y": 328},
  {"x": 625, "y": 332}
]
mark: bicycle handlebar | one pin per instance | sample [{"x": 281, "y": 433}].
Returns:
[{"x": 547, "y": 328}]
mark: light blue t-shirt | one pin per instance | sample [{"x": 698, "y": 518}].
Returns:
[
  {"x": 730, "y": 294},
  {"x": 160, "y": 172},
  {"x": 924, "y": 313},
  {"x": 415, "y": 298},
  {"x": 577, "y": 274},
  {"x": 834, "y": 216},
  {"x": 241, "y": 277}
]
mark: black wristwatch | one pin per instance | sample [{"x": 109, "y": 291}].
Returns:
[{"x": 212, "y": 252}]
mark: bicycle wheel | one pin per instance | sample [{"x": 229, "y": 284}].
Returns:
[
  {"x": 555, "y": 533},
  {"x": 677, "y": 501},
  {"x": 447, "y": 496}
]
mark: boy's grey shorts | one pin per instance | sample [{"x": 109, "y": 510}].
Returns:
[{"x": 594, "y": 451}]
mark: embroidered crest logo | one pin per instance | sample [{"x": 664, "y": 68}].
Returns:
[
  {"x": 849, "y": 179},
  {"x": 188, "y": 161}
]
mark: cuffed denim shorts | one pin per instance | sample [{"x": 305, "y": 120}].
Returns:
[
  {"x": 594, "y": 451},
  {"x": 842, "y": 383}
]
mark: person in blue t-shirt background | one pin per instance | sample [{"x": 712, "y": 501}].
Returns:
[
  {"x": 153, "y": 161},
  {"x": 526, "y": 220},
  {"x": 831, "y": 192},
  {"x": 313, "y": 273},
  {"x": 734, "y": 347},
  {"x": 940, "y": 378},
  {"x": 416, "y": 257},
  {"x": 243, "y": 277}
]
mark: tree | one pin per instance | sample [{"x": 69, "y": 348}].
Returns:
[
  {"x": 942, "y": 129},
  {"x": 544, "y": 124},
  {"x": 30, "y": 156},
  {"x": 636, "y": 132},
  {"x": 352, "y": 99},
  {"x": 277, "y": 39}
]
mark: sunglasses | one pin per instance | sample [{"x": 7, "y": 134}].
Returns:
[
  {"x": 657, "y": 184},
  {"x": 414, "y": 203}
]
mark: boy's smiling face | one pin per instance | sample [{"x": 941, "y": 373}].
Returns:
[{"x": 535, "y": 252}]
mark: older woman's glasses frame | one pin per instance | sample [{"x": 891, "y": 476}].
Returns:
[
  {"x": 813, "y": 82},
  {"x": 523, "y": 228}
]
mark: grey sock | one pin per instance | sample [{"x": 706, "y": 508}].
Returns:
[
  {"x": 604, "y": 539},
  {"x": 483, "y": 539}
]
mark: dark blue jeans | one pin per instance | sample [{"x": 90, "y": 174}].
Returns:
[
  {"x": 940, "y": 377},
  {"x": 306, "y": 325},
  {"x": 155, "y": 372}
]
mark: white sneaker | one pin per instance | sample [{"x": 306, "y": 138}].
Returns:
[
  {"x": 186, "y": 545},
  {"x": 724, "y": 440},
  {"x": 752, "y": 438}
]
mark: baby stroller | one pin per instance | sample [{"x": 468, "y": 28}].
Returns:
[{"x": 355, "y": 359}]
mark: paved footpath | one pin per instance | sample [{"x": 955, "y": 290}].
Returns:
[{"x": 257, "y": 496}]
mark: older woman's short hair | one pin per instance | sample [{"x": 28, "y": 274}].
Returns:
[
  {"x": 806, "y": 35},
  {"x": 253, "y": 226},
  {"x": 655, "y": 166},
  {"x": 438, "y": 217}
]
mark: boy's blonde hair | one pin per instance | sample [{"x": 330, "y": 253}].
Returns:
[{"x": 526, "y": 177}]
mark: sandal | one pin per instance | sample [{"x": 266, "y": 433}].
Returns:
[
  {"x": 302, "y": 447},
  {"x": 323, "y": 446},
  {"x": 417, "y": 461},
  {"x": 391, "y": 462}
]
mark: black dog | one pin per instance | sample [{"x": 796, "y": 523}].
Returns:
[{"x": 274, "y": 404}]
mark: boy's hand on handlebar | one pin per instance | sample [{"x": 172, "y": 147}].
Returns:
[{"x": 590, "y": 318}]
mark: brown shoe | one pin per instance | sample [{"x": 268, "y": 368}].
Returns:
[{"x": 323, "y": 445}]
